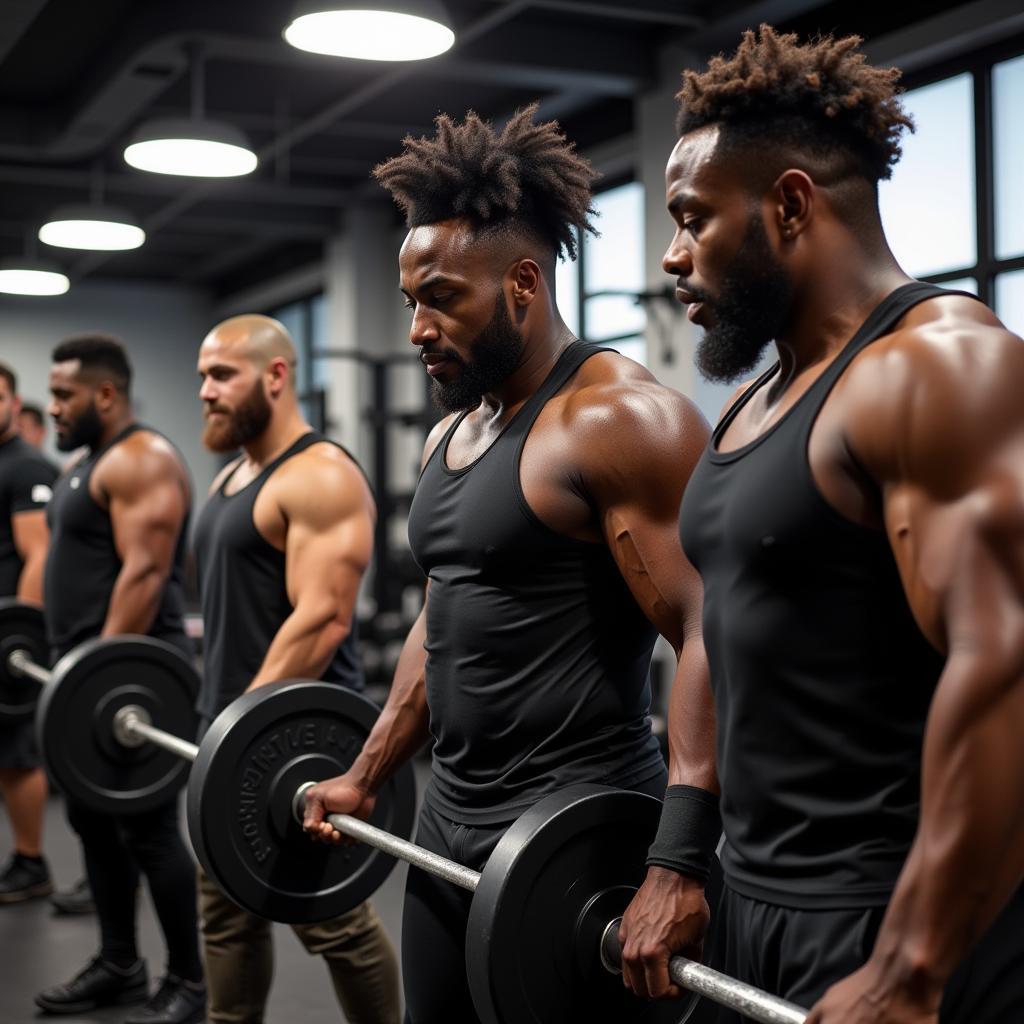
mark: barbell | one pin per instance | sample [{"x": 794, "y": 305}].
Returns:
[
  {"x": 76, "y": 702},
  {"x": 542, "y": 934}
]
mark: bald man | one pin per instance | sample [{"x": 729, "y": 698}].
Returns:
[{"x": 281, "y": 546}]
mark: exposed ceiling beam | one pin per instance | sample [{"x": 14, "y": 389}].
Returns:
[
  {"x": 540, "y": 77},
  {"x": 622, "y": 12},
  {"x": 254, "y": 121},
  {"x": 168, "y": 185},
  {"x": 958, "y": 30},
  {"x": 299, "y": 133},
  {"x": 520, "y": 62},
  {"x": 209, "y": 224},
  {"x": 229, "y": 258},
  {"x": 723, "y": 32},
  {"x": 15, "y": 18}
]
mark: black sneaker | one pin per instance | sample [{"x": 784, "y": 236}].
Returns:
[
  {"x": 24, "y": 879},
  {"x": 176, "y": 1001},
  {"x": 76, "y": 900},
  {"x": 99, "y": 983}
]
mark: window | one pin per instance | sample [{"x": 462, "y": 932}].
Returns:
[
  {"x": 597, "y": 295},
  {"x": 954, "y": 209},
  {"x": 1010, "y": 300},
  {"x": 933, "y": 184},
  {"x": 305, "y": 320},
  {"x": 1008, "y": 153}
]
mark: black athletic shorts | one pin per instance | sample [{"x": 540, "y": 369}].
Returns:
[
  {"x": 798, "y": 954},
  {"x": 18, "y": 747}
]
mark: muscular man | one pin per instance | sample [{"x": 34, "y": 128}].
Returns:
[
  {"x": 544, "y": 519},
  {"x": 856, "y": 520},
  {"x": 26, "y": 479},
  {"x": 281, "y": 546},
  {"x": 118, "y": 520},
  {"x": 31, "y": 424}
]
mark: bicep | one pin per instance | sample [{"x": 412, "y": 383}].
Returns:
[
  {"x": 148, "y": 518},
  {"x": 961, "y": 558},
  {"x": 639, "y": 511},
  {"x": 29, "y": 532},
  {"x": 326, "y": 561}
]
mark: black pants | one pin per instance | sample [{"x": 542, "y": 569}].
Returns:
[
  {"x": 798, "y": 954},
  {"x": 436, "y": 913},
  {"x": 116, "y": 849}
]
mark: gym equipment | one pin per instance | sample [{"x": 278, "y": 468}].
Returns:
[
  {"x": 76, "y": 703},
  {"x": 542, "y": 937}
]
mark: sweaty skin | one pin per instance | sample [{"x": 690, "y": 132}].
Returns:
[
  {"x": 923, "y": 437},
  {"x": 606, "y": 460}
]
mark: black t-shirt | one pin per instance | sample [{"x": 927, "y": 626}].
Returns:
[{"x": 26, "y": 485}]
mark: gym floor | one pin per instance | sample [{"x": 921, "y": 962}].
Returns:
[{"x": 39, "y": 949}]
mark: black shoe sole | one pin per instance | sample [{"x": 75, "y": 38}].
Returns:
[
  {"x": 85, "y": 1005},
  {"x": 196, "y": 1018},
  {"x": 31, "y": 893},
  {"x": 73, "y": 909}
]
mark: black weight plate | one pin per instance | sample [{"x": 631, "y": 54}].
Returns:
[
  {"x": 75, "y": 717},
  {"x": 529, "y": 914},
  {"x": 21, "y": 628},
  {"x": 256, "y": 755}
]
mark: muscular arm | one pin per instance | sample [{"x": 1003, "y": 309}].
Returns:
[
  {"x": 953, "y": 492},
  {"x": 637, "y": 483},
  {"x": 635, "y": 476},
  {"x": 147, "y": 497},
  {"x": 328, "y": 546},
  {"x": 31, "y": 539}
]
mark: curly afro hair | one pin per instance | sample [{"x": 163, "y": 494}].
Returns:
[
  {"x": 821, "y": 96},
  {"x": 527, "y": 177}
]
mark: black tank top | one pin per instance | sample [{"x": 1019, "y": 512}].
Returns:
[
  {"x": 822, "y": 679},
  {"x": 82, "y": 563},
  {"x": 537, "y": 654},
  {"x": 243, "y": 593}
]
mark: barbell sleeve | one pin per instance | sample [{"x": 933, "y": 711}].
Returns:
[
  {"x": 20, "y": 661},
  {"x": 132, "y": 727}
]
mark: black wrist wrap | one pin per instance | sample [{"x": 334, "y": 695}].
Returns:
[{"x": 688, "y": 832}]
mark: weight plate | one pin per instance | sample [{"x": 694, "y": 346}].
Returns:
[
  {"x": 256, "y": 755},
  {"x": 75, "y": 717},
  {"x": 535, "y": 924},
  {"x": 21, "y": 628}
]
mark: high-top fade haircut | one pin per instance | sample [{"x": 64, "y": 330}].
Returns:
[
  {"x": 101, "y": 356},
  {"x": 525, "y": 180},
  {"x": 821, "y": 100}
]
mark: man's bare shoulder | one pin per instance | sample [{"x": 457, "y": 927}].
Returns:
[
  {"x": 950, "y": 372},
  {"x": 141, "y": 460},
  {"x": 613, "y": 393},
  {"x": 618, "y": 412},
  {"x": 322, "y": 480}
]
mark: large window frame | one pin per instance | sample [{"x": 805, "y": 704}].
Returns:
[{"x": 979, "y": 64}]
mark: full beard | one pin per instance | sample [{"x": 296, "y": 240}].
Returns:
[
  {"x": 749, "y": 313},
  {"x": 496, "y": 351},
  {"x": 245, "y": 424},
  {"x": 86, "y": 430}
]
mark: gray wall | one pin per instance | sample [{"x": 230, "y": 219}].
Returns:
[{"x": 162, "y": 326}]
